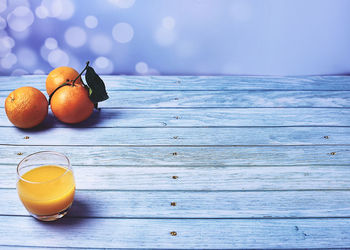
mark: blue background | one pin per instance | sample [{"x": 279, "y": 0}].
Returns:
[{"x": 176, "y": 37}]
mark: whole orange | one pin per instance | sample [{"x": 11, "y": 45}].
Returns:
[
  {"x": 59, "y": 76},
  {"x": 71, "y": 104},
  {"x": 26, "y": 107}
]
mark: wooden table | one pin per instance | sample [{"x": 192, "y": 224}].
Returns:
[{"x": 193, "y": 162}]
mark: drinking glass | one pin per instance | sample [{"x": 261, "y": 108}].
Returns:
[{"x": 45, "y": 185}]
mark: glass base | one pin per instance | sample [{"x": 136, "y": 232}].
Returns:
[{"x": 52, "y": 217}]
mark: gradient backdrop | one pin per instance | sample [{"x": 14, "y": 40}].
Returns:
[{"x": 182, "y": 37}]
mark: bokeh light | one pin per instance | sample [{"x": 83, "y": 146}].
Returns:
[
  {"x": 176, "y": 37},
  {"x": 51, "y": 43},
  {"x": 123, "y": 32},
  {"x": 6, "y": 44},
  {"x": 44, "y": 52},
  {"x": 168, "y": 23},
  {"x": 103, "y": 65},
  {"x": 19, "y": 72},
  {"x": 8, "y": 61},
  {"x": 41, "y": 12},
  {"x": 58, "y": 58},
  {"x": 75, "y": 36},
  {"x": 91, "y": 22},
  {"x": 141, "y": 68},
  {"x": 20, "y": 19},
  {"x": 60, "y": 9},
  {"x": 39, "y": 72}
]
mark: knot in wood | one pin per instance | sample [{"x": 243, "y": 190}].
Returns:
[{"x": 173, "y": 233}]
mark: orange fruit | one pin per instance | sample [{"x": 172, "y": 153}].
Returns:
[
  {"x": 71, "y": 104},
  {"x": 59, "y": 76},
  {"x": 26, "y": 107}
]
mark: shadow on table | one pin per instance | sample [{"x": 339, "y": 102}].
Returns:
[
  {"x": 80, "y": 208},
  {"x": 76, "y": 216},
  {"x": 100, "y": 117}
]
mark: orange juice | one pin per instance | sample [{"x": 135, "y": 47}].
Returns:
[{"x": 46, "y": 190}]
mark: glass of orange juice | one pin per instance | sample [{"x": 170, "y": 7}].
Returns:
[{"x": 45, "y": 185}]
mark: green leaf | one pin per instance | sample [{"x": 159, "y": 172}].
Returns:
[{"x": 97, "y": 92}]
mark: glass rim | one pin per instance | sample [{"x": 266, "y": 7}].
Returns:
[{"x": 42, "y": 182}]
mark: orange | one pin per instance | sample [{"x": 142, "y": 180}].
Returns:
[
  {"x": 59, "y": 76},
  {"x": 26, "y": 107},
  {"x": 71, "y": 104}
]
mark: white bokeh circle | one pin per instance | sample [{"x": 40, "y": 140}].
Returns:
[
  {"x": 8, "y": 61},
  {"x": 168, "y": 23},
  {"x": 141, "y": 68},
  {"x": 6, "y": 45},
  {"x": 44, "y": 52},
  {"x": 123, "y": 32},
  {"x": 20, "y": 18},
  {"x": 51, "y": 43},
  {"x": 91, "y": 22},
  {"x": 57, "y": 58},
  {"x": 60, "y": 9},
  {"x": 75, "y": 36},
  {"x": 41, "y": 12},
  {"x": 68, "y": 9},
  {"x": 19, "y": 72},
  {"x": 103, "y": 65},
  {"x": 39, "y": 72}
]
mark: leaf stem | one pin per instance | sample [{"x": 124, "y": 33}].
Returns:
[
  {"x": 87, "y": 65},
  {"x": 62, "y": 85}
]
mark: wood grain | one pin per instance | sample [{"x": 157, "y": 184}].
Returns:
[
  {"x": 204, "y": 117},
  {"x": 188, "y": 156},
  {"x": 220, "y": 99},
  {"x": 314, "y": 83},
  {"x": 193, "y": 162},
  {"x": 188, "y": 204},
  {"x": 202, "y": 178},
  {"x": 177, "y": 136},
  {"x": 190, "y": 233}
]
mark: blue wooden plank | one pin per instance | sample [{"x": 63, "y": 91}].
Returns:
[
  {"x": 202, "y": 178},
  {"x": 176, "y": 233},
  {"x": 220, "y": 99},
  {"x": 188, "y": 156},
  {"x": 314, "y": 83},
  {"x": 204, "y": 117},
  {"x": 188, "y": 204},
  {"x": 178, "y": 136}
]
